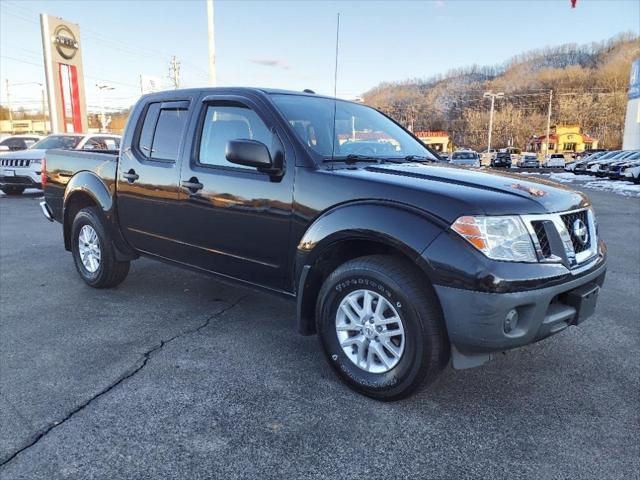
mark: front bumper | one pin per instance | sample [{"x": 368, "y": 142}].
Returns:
[
  {"x": 19, "y": 181},
  {"x": 476, "y": 320}
]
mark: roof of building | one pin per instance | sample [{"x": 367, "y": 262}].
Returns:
[{"x": 431, "y": 133}]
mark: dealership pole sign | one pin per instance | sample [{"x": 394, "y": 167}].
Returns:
[{"x": 65, "y": 77}]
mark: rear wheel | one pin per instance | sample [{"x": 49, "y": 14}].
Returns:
[
  {"x": 13, "y": 190},
  {"x": 380, "y": 327},
  {"x": 93, "y": 251}
]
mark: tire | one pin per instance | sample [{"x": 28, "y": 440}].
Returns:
[
  {"x": 107, "y": 272},
  {"x": 424, "y": 348},
  {"x": 13, "y": 190}
]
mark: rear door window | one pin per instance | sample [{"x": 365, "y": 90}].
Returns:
[{"x": 162, "y": 131}]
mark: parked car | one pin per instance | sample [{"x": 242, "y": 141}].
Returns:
[
  {"x": 398, "y": 263},
  {"x": 579, "y": 164},
  {"x": 589, "y": 152},
  {"x": 593, "y": 168},
  {"x": 633, "y": 174},
  {"x": 501, "y": 160},
  {"x": 528, "y": 160},
  {"x": 612, "y": 168},
  {"x": 18, "y": 142},
  {"x": 465, "y": 158},
  {"x": 554, "y": 160},
  {"x": 514, "y": 152},
  {"x": 583, "y": 167},
  {"x": 21, "y": 170},
  {"x": 617, "y": 170}
]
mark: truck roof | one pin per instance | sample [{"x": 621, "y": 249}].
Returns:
[{"x": 236, "y": 90}]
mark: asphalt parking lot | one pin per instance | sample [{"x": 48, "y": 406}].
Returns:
[{"x": 176, "y": 376}]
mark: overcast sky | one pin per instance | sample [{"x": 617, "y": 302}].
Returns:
[{"x": 292, "y": 44}]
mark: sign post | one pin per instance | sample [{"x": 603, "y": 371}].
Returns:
[{"x": 64, "y": 74}]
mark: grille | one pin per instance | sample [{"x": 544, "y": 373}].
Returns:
[
  {"x": 569, "y": 220},
  {"x": 543, "y": 240},
  {"x": 15, "y": 162}
]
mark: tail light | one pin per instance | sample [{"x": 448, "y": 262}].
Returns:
[{"x": 43, "y": 173}]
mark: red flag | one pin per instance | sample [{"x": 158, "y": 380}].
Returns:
[{"x": 573, "y": 3}]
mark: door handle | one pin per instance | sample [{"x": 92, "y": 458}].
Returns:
[
  {"x": 193, "y": 185},
  {"x": 131, "y": 176}
]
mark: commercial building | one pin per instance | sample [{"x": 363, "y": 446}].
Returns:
[
  {"x": 563, "y": 139},
  {"x": 436, "y": 139}
]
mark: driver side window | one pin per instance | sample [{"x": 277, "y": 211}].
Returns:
[{"x": 224, "y": 122}]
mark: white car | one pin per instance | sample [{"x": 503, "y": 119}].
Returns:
[
  {"x": 554, "y": 160},
  {"x": 467, "y": 158},
  {"x": 633, "y": 174},
  {"x": 12, "y": 143},
  {"x": 21, "y": 169},
  {"x": 528, "y": 160}
]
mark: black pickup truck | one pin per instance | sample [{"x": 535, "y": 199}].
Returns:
[{"x": 399, "y": 263}]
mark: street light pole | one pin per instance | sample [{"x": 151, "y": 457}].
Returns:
[
  {"x": 9, "y": 105},
  {"x": 548, "y": 122},
  {"x": 44, "y": 114},
  {"x": 493, "y": 97},
  {"x": 103, "y": 119},
  {"x": 212, "y": 44}
]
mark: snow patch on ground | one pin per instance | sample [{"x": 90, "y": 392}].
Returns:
[
  {"x": 567, "y": 177},
  {"x": 620, "y": 187},
  {"x": 627, "y": 189}
]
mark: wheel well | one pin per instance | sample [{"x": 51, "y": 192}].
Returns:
[
  {"x": 76, "y": 202},
  {"x": 332, "y": 257}
]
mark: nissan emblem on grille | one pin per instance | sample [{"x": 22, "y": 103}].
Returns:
[{"x": 580, "y": 231}]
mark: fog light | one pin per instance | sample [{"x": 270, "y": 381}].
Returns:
[{"x": 511, "y": 320}]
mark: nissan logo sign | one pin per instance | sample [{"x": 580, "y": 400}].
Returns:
[
  {"x": 65, "y": 42},
  {"x": 580, "y": 232}
]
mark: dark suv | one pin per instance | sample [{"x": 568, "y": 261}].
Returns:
[{"x": 501, "y": 160}]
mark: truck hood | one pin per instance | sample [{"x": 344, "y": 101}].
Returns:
[
  {"x": 31, "y": 154},
  {"x": 449, "y": 191}
]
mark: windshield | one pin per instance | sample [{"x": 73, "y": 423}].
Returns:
[
  {"x": 358, "y": 129},
  {"x": 464, "y": 156},
  {"x": 57, "y": 141}
]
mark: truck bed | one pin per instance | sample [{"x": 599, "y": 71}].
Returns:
[{"x": 63, "y": 165}]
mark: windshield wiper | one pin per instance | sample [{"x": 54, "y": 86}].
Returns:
[
  {"x": 418, "y": 158},
  {"x": 353, "y": 158}
]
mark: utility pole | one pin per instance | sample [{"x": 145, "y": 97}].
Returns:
[
  {"x": 174, "y": 72},
  {"x": 335, "y": 72},
  {"x": 103, "y": 118},
  {"x": 212, "y": 44},
  {"x": 9, "y": 105},
  {"x": 548, "y": 122},
  {"x": 44, "y": 112},
  {"x": 493, "y": 97}
]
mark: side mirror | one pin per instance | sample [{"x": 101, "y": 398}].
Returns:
[{"x": 250, "y": 153}]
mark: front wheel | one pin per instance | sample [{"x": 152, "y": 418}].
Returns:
[
  {"x": 93, "y": 251},
  {"x": 13, "y": 190},
  {"x": 380, "y": 327}
]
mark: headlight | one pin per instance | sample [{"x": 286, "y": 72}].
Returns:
[{"x": 499, "y": 238}]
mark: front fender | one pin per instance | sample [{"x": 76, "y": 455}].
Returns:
[{"x": 397, "y": 226}]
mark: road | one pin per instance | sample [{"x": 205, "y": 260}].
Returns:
[{"x": 176, "y": 376}]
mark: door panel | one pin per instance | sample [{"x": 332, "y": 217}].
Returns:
[
  {"x": 238, "y": 223},
  {"x": 148, "y": 180}
]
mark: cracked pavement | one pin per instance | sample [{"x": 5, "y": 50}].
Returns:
[{"x": 175, "y": 375}]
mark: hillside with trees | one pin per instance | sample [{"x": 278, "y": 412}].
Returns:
[{"x": 589, "y": 84}]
